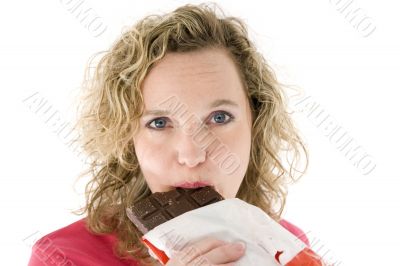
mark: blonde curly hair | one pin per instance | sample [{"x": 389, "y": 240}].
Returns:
[{"x": 112, "y": 103}]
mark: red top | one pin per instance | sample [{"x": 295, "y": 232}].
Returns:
[{"x": 75, "y": 245}]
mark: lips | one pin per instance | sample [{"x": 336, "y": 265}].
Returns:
[{"x": 192, "y": 184}]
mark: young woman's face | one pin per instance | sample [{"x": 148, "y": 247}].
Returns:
[{"x": 201, "y": 133}]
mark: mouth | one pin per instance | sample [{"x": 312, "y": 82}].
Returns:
[{"x": 192, "y": 185}]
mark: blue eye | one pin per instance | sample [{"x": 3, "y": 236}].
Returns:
[
  {"x": 159, "y": 123},
  {"x": 220, "y": 117}
]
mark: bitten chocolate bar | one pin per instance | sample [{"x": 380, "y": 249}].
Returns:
[{"x": 160, "y": 207}]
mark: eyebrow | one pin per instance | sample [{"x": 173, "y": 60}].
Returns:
[{"x": 214, "y": 104}]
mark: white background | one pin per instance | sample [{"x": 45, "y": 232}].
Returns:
[{"x": 350, "y": 217}]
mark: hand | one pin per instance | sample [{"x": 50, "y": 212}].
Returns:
[{"x": 208, "y": 252}]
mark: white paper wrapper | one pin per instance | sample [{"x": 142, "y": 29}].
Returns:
[{"x": 267, "y": 242}]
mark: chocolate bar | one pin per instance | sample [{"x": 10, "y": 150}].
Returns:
[{"x": 161, "y": 207}]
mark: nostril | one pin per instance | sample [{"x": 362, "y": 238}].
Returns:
[{"x": 191, "y": 160}]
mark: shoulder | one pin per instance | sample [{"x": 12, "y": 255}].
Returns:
[
  {"x": 295, "y": 231},
  {"x": 74, "y": 244}
]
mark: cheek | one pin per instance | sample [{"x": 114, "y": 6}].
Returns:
[
  {"x": 237, "y": 142},
  {"x": 241, "y": 150},
  {"x": 152, "y": 156},
  {"x": 239, "y": 145}
]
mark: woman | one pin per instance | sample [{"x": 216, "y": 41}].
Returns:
[{"x": 180, "y": 100}]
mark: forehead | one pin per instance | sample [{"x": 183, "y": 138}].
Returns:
[{"x": 198, "y": 77}]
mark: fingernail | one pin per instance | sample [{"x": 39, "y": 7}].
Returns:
[{"x": 239, "y": 246}]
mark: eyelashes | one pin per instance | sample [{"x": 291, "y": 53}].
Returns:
[{"x": 160, "y": 122}]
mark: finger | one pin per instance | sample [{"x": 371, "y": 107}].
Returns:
[
  {"x": 201, "y": 247},
  {"x": 223, "y": 254}
]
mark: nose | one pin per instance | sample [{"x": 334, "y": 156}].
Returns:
[{"x": 189, "y": 152}]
